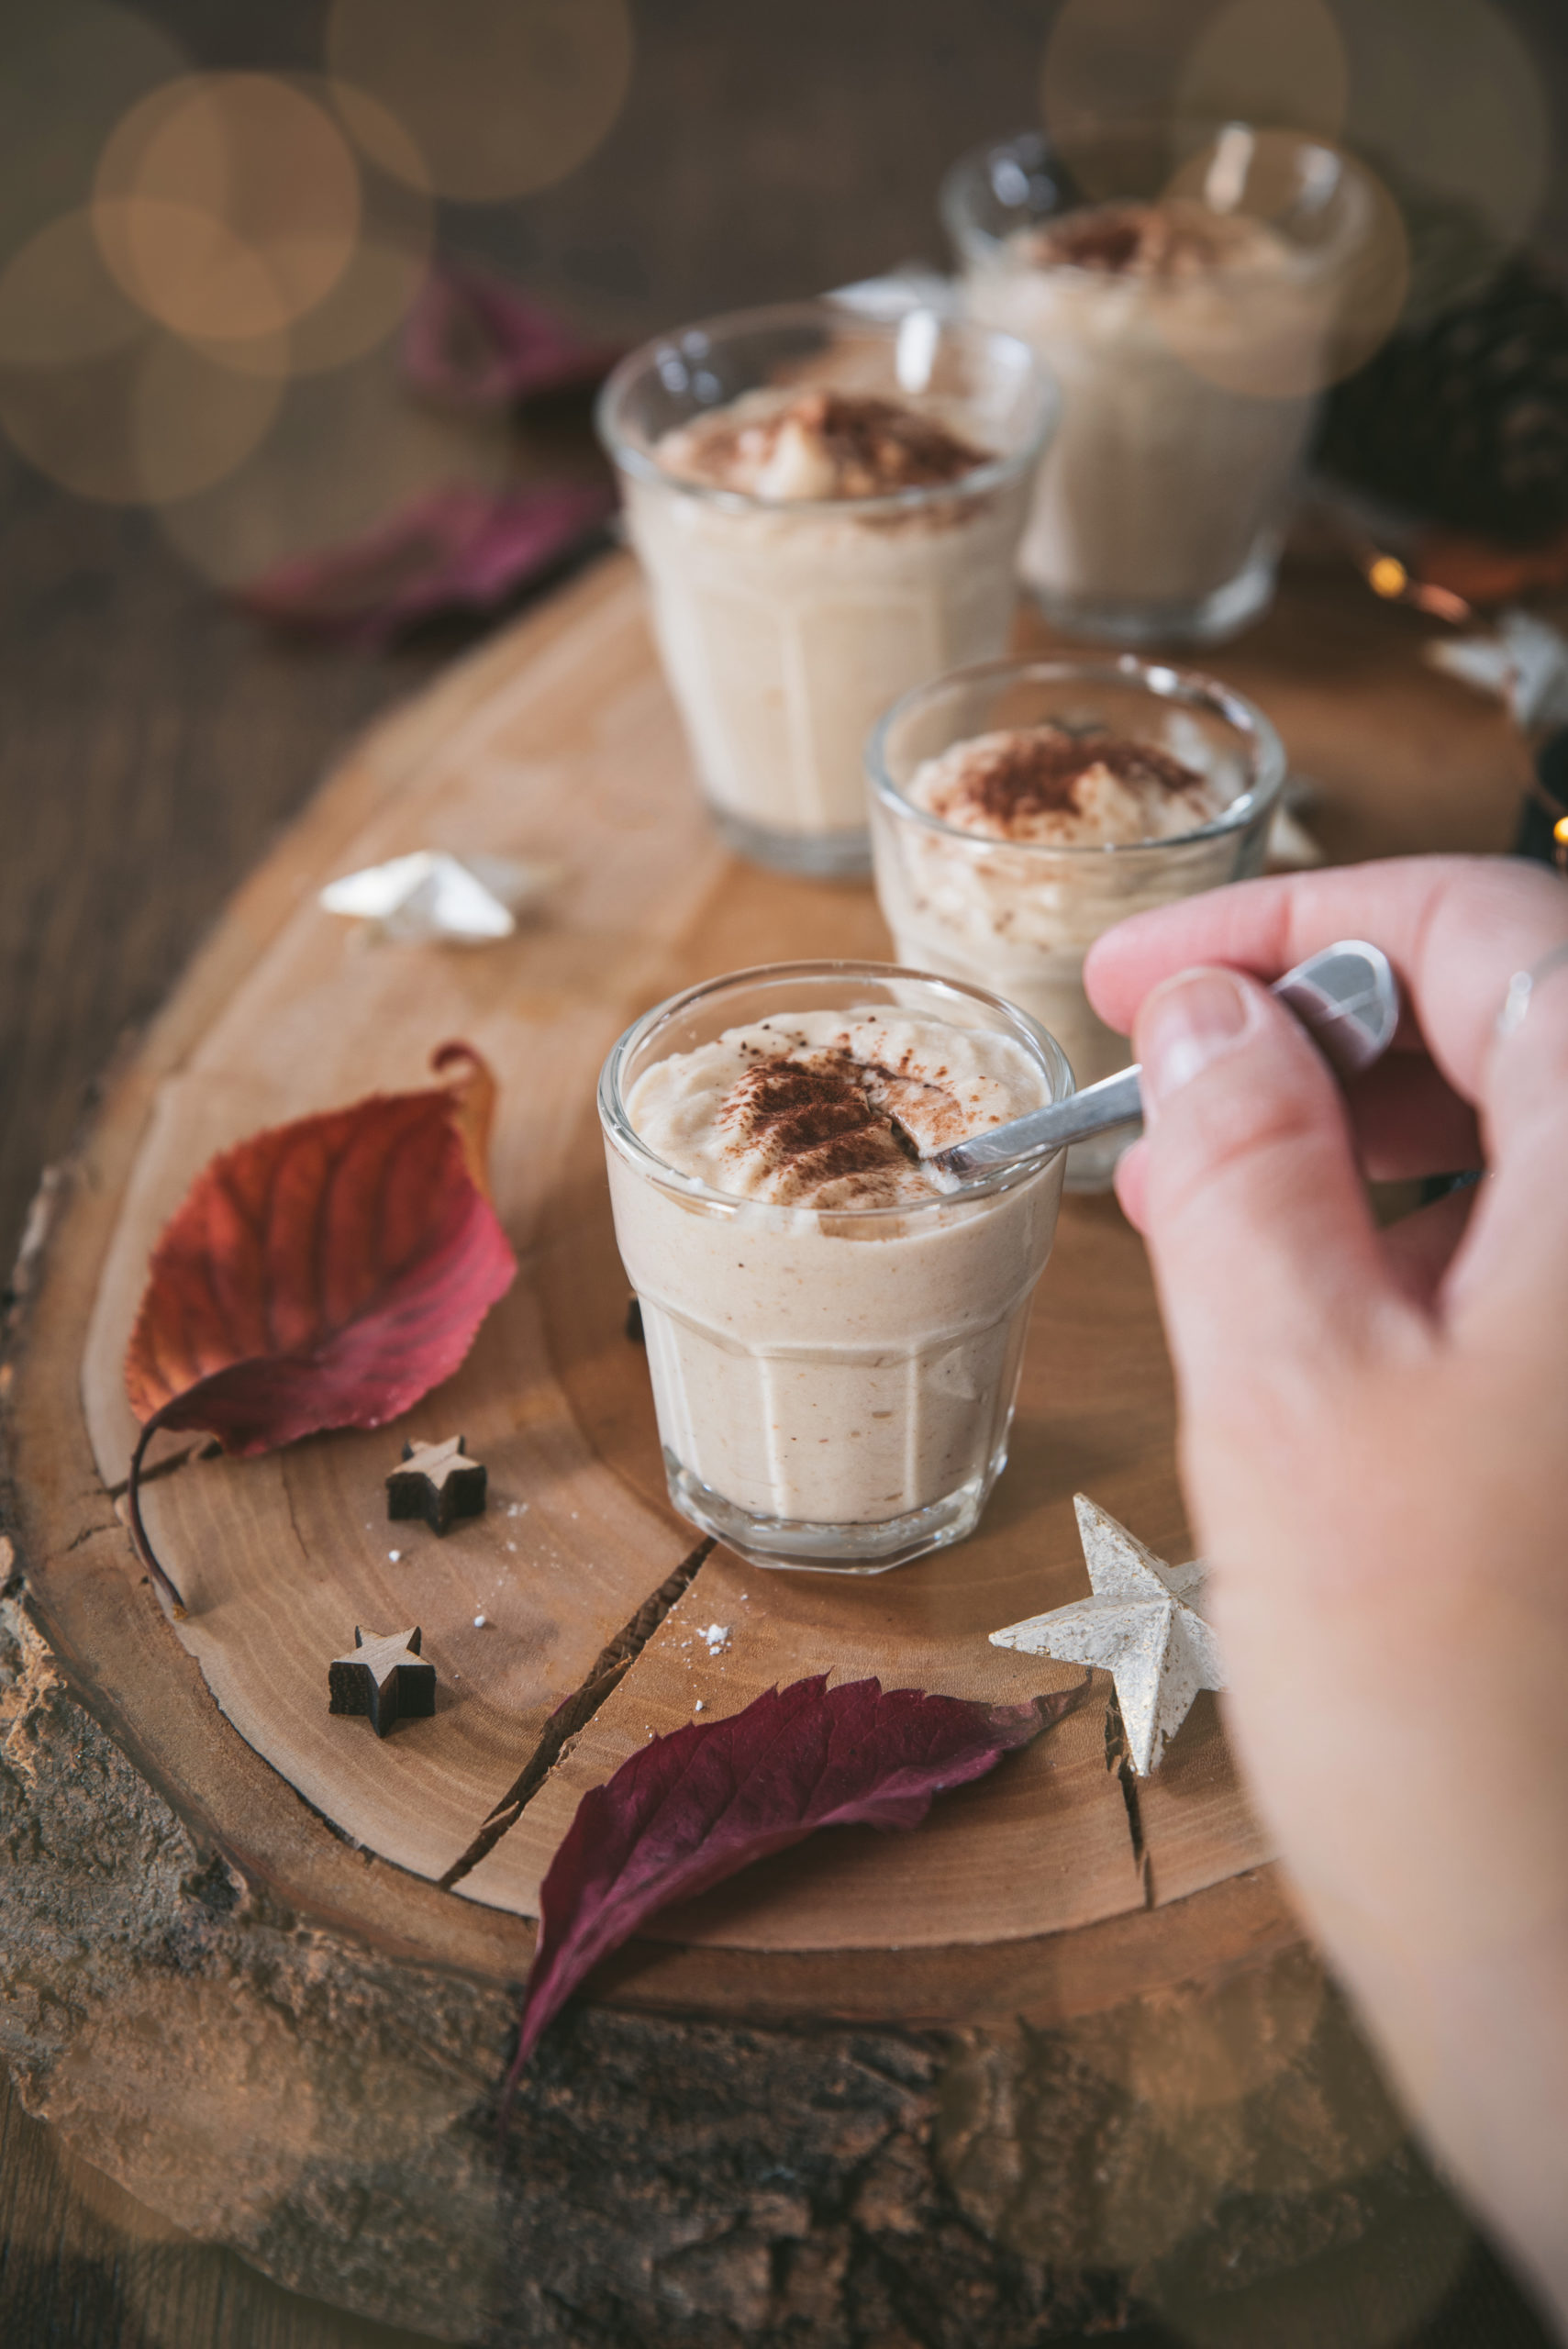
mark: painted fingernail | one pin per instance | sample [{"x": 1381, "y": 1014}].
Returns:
[{"x": 1184, "y": 1025}]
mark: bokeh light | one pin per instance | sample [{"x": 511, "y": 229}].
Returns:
[
  {"x": 1446, "y": 98},
  {"x": 1267, "y": 62},
  {"x": 347, "y": 449},
  {"x": 371, "y": 296},
  {"x": 1322, "y": 318},
  {"x": 500, "y": 96},
  {"x": 228, "y": 204},
  {"x": 73, "y": 68},
  {"x": 1111, "y": 60},
  {"x": 100, "y": 398},
  {"x": 1188, "y": 65},
  {"x": 59, "y": 303},
  {"x": 1441, "y": 97},
  {"x": 231, "y": 240}
]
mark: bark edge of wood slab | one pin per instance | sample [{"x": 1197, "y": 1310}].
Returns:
[{"x": 994, "y": 2079}]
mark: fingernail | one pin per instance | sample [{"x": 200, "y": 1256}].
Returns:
[{"x": 1184, "y": 1025}]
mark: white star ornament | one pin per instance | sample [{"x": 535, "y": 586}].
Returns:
[
  {"x": 464, "y": 900},
  {"x": 1143, "y": 1625}
]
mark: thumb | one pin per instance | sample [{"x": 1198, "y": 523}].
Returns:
[{"x": 1254, "y": 1211}]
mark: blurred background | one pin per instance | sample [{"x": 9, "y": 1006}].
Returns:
[{"x": 301, "y": 305}]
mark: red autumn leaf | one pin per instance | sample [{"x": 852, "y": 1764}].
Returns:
[
  {"x": 474, "y": 343},
  {"x": 321, "y": 1274},
  {"x": 450, "y": 548},
  {"x": 686, "y": 1811}
]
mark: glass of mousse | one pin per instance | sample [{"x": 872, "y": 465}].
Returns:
[
  {"x": 826, "y": 507},
  {"x": 834, "y": 1330},
  {"x": 1191, "y": 328},
  {"x": 1020, "y": 807}
]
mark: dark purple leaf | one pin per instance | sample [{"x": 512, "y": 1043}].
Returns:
[
  {"x": 473, "y": 343},
  {"x": 686, "y": 1811},
  {"x": 454, "y": 548}
]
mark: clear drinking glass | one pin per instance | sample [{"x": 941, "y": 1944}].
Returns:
[
  {"x": 1018, "y": 916},
  {"x": 1189, "y": 393},
  {"x": 834, "y": 1389},
  {"x": 785, "y": 624}
]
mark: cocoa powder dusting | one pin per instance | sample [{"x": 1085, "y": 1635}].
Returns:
[
  {"x": 1174, "y": 239},
  {"x": 1038, "y": 773},
  {"x": 808, "y": 1114},
  {"x": 1095, "y": 240},
  {"x": 813, "y": 1120},
  {"x": 873, "y": 446},
  {"x": 876, "y": 445}
]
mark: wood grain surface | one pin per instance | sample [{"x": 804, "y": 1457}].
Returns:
[
  {"x": 279, "y": 1558},
  {"x": 560, "y": 745}
]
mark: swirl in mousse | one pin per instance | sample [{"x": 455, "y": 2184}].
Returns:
[
  {"x": 834, "y": 1332},
  {"x": 816, "y": 544}
]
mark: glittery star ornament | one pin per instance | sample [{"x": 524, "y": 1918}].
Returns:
[
  {"x": 383, "y": 1679},
  {"x": 437, "y": 1482},
  {"x": 1143, "y": 1625}
]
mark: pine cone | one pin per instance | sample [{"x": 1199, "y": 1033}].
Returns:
[{"x": 1463, "y": 420}]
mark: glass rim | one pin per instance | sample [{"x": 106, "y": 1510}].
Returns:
[
  {"x": 970, "y": 235},
  {"x": 1166, "y": 683},
  {"x": 993, "y": 474},
  {"x": 623, "y": 1136}
]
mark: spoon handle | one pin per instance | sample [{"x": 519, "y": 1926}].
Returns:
[{"x": 1346, "y": 998}]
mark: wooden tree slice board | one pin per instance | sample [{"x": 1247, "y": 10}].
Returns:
[
  {"x": 569, "y": 753},
  {"x": 1057, "y": 1889},
  {"x": 279, "y": 1559}
]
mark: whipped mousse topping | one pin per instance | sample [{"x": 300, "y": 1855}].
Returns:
[
  {"x": 1067, "y": 789},
  {"x": 817, "y": 444},
  {"x": 1169, "y": 241},
  {"x": 831, "y": 1109}
]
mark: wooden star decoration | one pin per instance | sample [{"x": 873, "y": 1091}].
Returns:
[
  {"x": 382, "y": 1677},
  {"x": 437, "y": 1482},
  {"x": 1143, "y": 1625}
]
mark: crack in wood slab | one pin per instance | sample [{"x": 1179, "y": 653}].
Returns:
[
  {"x": 88, "y": 1534},
  {"x": 575, "y": 1712}
]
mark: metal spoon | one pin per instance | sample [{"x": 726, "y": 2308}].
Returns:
[{"x": 1346, "y": 998}]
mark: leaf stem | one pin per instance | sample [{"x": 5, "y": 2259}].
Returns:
[{"x": 144, "y": 1549}]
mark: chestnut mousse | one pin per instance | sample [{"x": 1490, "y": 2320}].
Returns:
[
  {"x": 834, "y": 1342},
  {"x": 813, "y": 551},
  {"x": 1071, "y": 789},
  {"x": 1188, "y": 342}
]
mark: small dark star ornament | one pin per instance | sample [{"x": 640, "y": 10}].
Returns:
[
  {"x": 437, "y": 1482},
  {"x": 383, "y": 1679}
]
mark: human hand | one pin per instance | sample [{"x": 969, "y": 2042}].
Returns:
[{"x": 1372, "y": 1437}]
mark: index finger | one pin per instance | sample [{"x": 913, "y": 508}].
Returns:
[{"x": 1456, "y": 930}]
